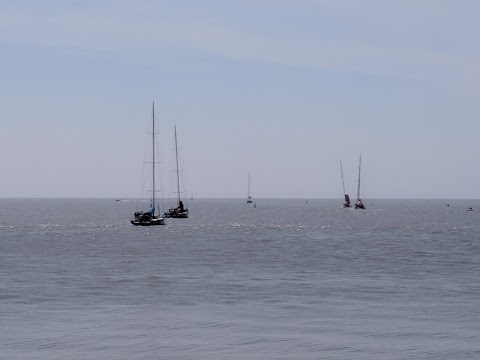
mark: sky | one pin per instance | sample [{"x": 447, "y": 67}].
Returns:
[{"x": 283, "y": 89}]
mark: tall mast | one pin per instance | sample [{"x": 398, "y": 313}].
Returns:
[
  {"x": 343, "y": 182},
  {"x": 178, "y": 172},
  {"x": 359, "y": 170},
  {"x": 248, "y": 194},
  {"x": 153, "y": 154}
]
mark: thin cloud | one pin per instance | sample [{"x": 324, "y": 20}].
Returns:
[{"x": 146, "y": 30}]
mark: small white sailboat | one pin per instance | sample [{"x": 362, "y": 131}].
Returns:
[
  {"x": 148, "y": 218},
  {"x": 179, "y": 212},
  {"x": 359, "y": 203},
  {"x": 249, "y": 198},
  {"x": 346, "y": 204}
]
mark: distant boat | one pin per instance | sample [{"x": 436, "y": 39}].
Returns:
[
  {"x": 179, "y": 212},
  {"x": 249, "y": 198},
  {"x": 470, "y": 209},
  {"x": 346, "y": 204},
  {"x": 359, "y": 203},
  {"x": 148, "y": 218}
]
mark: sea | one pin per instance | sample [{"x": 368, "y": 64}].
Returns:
[{"x": 284, "y": 279}]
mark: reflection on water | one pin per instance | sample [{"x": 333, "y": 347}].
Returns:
[{"x": 287, "y": 279}]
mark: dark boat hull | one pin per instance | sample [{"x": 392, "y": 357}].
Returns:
[
  {"x": 149, "y": 223},
  {"x": 175, "y": 214},
  {"x": 147, "y": 220}
]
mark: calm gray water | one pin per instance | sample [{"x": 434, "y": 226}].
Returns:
[{"x": 285, "y": 280}]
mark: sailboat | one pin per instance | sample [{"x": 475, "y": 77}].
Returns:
[
  {"x": 180, "y": 211},
  {"x": 249, "y": 198},
  {"x": 346, "y": 204},
  {"x": 359, "y": 203},
  {"x": 148, "y": 218}
]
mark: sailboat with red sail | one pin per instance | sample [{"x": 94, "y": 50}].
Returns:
[{"x": 346, "y": 204}]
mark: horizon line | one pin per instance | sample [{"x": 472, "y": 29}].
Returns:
[{"x": 218, "y": 198}]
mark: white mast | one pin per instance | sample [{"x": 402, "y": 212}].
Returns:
[
  {"x": 343, "y": 182},
  {"x": 153, "y": 155},
  {"x": 178, "y": 171},
  {"x": 359, "y": 171}
]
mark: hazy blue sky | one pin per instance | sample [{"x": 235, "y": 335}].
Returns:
[{"x": 281, "y": 88}]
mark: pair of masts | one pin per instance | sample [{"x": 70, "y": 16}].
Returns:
[
  {"x": 153, "y": 159},
  {"x": 358, "y": 203},
  {"x": 149, "y": 217}
]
